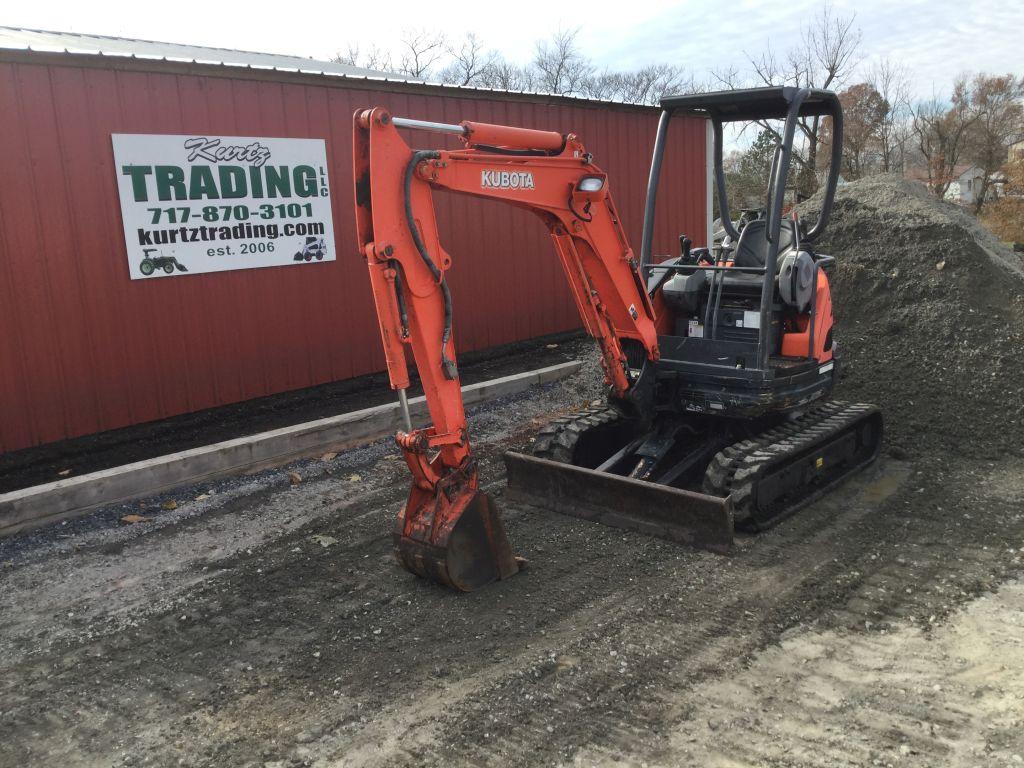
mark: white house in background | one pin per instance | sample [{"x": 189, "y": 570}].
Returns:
[{"x": 966, "y": 184}]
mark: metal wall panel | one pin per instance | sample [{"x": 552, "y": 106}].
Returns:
[{"x": 84, "y": 349}]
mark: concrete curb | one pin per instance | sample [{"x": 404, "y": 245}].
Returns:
[{"x": 42, "y": 504}]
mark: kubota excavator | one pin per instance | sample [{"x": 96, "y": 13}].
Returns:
[{"x": 719, "y": 360}]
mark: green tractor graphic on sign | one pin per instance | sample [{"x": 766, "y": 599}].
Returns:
[{"x": 151, "y": 263}]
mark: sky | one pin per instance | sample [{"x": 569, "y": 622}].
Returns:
[{"x": 934, "y": 39}]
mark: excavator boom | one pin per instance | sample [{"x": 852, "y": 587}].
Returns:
[{"x": 449, "y": 530}]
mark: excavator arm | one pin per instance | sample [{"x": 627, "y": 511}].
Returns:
[{"x": 449, "y": 530}]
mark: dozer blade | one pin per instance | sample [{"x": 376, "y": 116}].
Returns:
[
  {"x": 658, "y": 510},
  {"x": 467, "y": 553}
]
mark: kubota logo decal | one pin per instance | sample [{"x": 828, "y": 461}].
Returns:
[{"x": 506, "y": 180}]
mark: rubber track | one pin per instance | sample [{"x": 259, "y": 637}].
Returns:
[
  {"x": 734, "y": 469},
  {"x": 557, "y": 440}
]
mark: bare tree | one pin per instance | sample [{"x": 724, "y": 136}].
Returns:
[
  {"x": 603, "y": 85},
  {"x": 996, "y": 100},
  {"x": 646, "y": 85},
  {"x": 942, "y": 134},
  {"x": 421, "y": 50},
  {"x": 506, "y": 76},
  {"x": 469, "y": 62},
  {"x": 561, "y": 68},
  {"x": 827, "y": 55},
  {"x": 728, "y": 77},
  {"x": 350, "y": 57},
  {"x": 892, "y": 84},
  {"x": 375, "y": 58}
]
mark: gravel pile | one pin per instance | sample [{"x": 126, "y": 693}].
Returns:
[{"x": 930, "y": 316}]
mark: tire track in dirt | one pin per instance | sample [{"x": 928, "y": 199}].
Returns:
[
  {"x": 688, "y": 633},
  {"x": 950, "y": 697},
  {"x": 298, "y": 653},
  {"x": 628, "y": 720}
]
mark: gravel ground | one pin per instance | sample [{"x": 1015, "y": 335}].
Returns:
[
  {"x": 267, "y": 624},
  {"x": 261, "y": 623},
  {"x": 930, "y": 316}
]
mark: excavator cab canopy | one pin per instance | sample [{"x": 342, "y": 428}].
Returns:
[{"x": 751, "y": 104}]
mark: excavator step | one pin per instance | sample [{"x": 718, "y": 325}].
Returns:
[{"x": 688, "y": 517}]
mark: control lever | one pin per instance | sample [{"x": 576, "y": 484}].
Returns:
[{"x": 685, "y": 244}]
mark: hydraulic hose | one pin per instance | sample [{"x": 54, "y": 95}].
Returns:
[
  {"x": 520, "y": 152},
  {"x": 403, "y": 314},
  {"x": 447, "y": 365}
]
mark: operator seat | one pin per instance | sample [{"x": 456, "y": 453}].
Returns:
[
  {"x": 752, "y": 247},
  {"x": 685, "y": 291}
]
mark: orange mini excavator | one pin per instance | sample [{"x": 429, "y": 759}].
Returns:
[{"x": 719, "y": 360}]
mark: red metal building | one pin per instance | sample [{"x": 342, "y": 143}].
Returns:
[{"x": 83, "y": 348}]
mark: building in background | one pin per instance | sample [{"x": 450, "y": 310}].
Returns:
[
  {"x": 97, "y": 337},
  {"x": 966, "y": 184}
]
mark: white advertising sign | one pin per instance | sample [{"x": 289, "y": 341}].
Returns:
[{"x": 194, "y": 204}]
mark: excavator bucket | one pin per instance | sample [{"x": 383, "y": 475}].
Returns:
[
  {"x": 467, "y": 551},
  {"x": 687, "y": 517}
]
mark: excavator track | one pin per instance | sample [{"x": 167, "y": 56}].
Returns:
[
  {"x": 567, "y": 438},
  {"x": 770, "y": 476},
  {"x": 751, "y": 484}
]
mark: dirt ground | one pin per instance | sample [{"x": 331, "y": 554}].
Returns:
[
  {"x": 266, "y": 624},
  {"x": 259, "y": 623}
]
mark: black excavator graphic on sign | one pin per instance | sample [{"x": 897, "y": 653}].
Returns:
[
  {"x": 151, "y": 263},
  {"x": 314, "y": 247}
]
